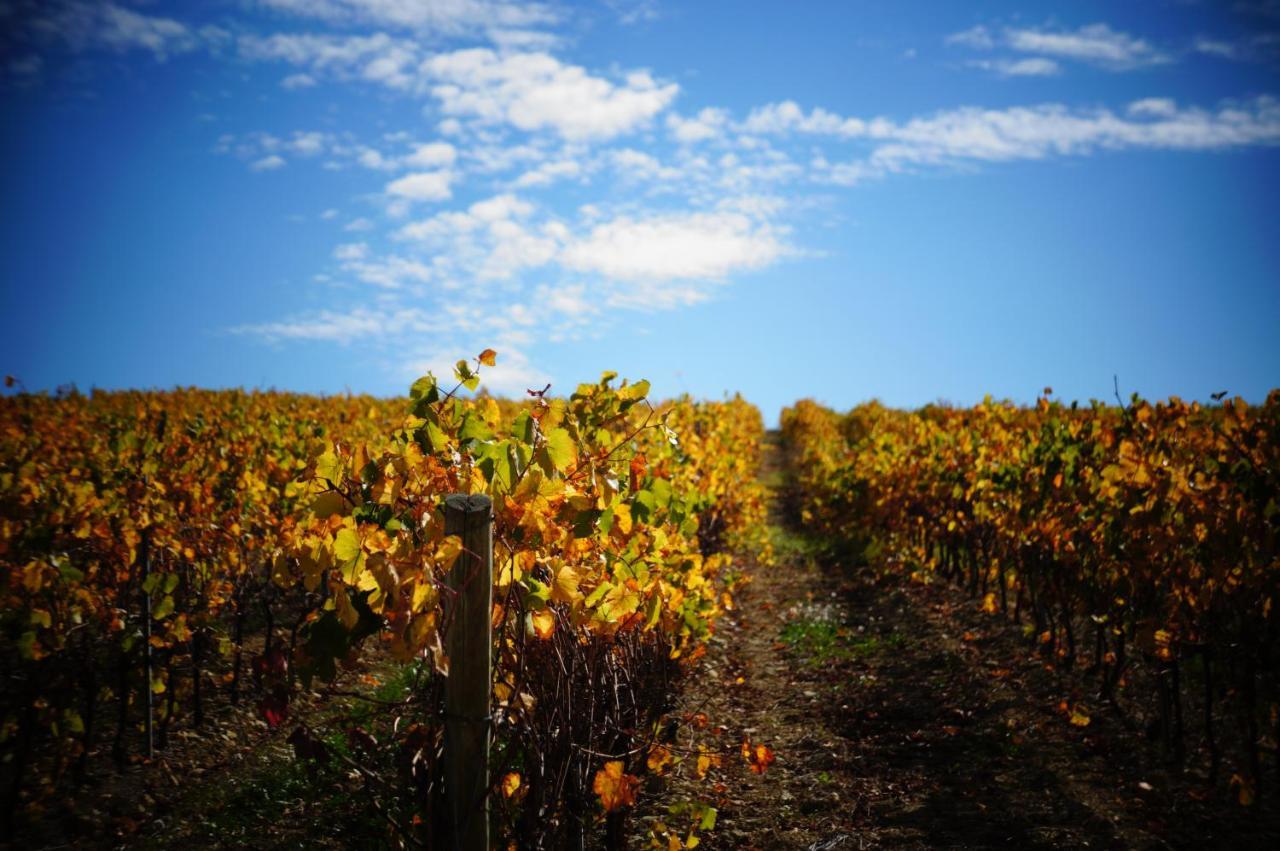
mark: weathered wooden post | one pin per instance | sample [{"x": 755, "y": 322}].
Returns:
[
  {"x": 469, "y": 644},
  {"x": 144, "y": 556}
]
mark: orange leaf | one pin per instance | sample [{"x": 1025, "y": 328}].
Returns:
[
  {"x": 659, "y": 759},
  {"x": 615, "y": 788},
  {"x": 544, "y": 623},
  {"x": 510, "y": 784},
  {"x": 758, "y": 757},
  {"x": 762, "y": 759},
  {"x": 488, "y": 357}
]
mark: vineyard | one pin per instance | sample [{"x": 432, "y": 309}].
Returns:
[
  {"x": 1141, "y": 543},
  {"x": 179, "y": 566}
]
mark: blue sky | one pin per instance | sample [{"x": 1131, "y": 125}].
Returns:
[{"x": 835, "y": 200}]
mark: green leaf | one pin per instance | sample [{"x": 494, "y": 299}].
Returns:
[
  {"x": 523, "y": 427},
  {"x": 163, "y": 609},
  {"x": 538, "y": 595},
  {"x": 27, "y": 644},
  {"x": 431, "y": 438},
  {"x": 708, "y": 819},
  {"x": 346, "y": 546},
  {"x": 560, "y": 448},
  {"x": 661, "y": 489},
  {"x": 474, "y": 428},
  {"x": 329, "y": 466},
  {"x": 584, "y": 521},
  {"x": 425, "y": 390},
  {"x": 643, "y": 505},
  {"x": 170, "y": 582},
  {"x": 70, "y": 574},
  {"x": 327, "y": 504},
  {"x": 634, "y": 392}
]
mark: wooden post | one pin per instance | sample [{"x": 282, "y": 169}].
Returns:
[
  {"x": 149, "y": 696},
  {"x": 469, "y": 644}
]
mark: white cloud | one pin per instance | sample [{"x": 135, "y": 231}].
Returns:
[
  {"x": 488, "y": 241},
  {"x": 125, "y": 29},
  {"x": 391, "y": 273},
  {"x": 1097, "y": 44},
  {"x": 634, "y": 165},
  {"x": 707, "y": 124},
  {"x": 631, "y": 12},
  {"x": 978, "y": 37},
  {"x": 351, "y": 251},
  {"x": 1094, "y": 44},
  {"x": 372, "y": 158},
  {"x": 1035, "y": 66},
  {"x": 568, "y": 301},
  {"x": 666, "y": 247},
  {"x": 358, "y": 225},
  {"x": 1258, "y": 47},
  {"x": 516, "y": 39},
  {"x": 82, "y": 25},
  {"x": 377, "y": 57},
  {"x": 268, "y": 163},
  {"x": 535, "y": 91},
  {"x": 422, "y": 186},
  {"x": 548, "y": 173},
  {"x": 449, "y": 17},
  {"x": 345, "y": 327},
  {"x": 1215, "y": 47},
  {"x": 298, "y": 81},
  {"x": 1154, "y": 108},
  {"x": 432, "y": 155},
  {"x": 1037, "y": 132},
  {"x": 788, "y": 116}
]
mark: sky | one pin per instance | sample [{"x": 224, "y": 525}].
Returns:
[{"x": 849, "y": 200}]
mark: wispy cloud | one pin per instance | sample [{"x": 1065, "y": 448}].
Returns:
[
  {"x": 1094, "y": 44},
  {"x": 952, "y": 137},
  {"x": 270, "y": 162},
  {"x": 1035, "y": 66},
  {"x": 82, "y": 25},
  {"x": 452, "y": 17}
]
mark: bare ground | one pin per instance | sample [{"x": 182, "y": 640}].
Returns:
[{"x": 904, "y": 717}]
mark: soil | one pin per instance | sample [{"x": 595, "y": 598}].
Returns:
[{"x": 902, "y": 716}]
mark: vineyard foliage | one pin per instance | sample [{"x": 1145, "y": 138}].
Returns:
[
  {"x": 277, "y": 537},
  {"x": 1143, "y": 541}
]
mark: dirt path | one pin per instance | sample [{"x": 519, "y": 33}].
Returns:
[{"x": 903, "y": 717}]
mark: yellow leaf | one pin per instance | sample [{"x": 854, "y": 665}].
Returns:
[
  {"x": 622, "y": 518},
  {"x": 448, "y": 552},
  {"x": 706, "y": 761},
  {"x": 424, "y": 594},
  {"x": 1079, "y": 717},
  {"x": 544, "y": 623},
  {"x": 346, "y": 612},
  {"x": 564, "y": 589}
]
